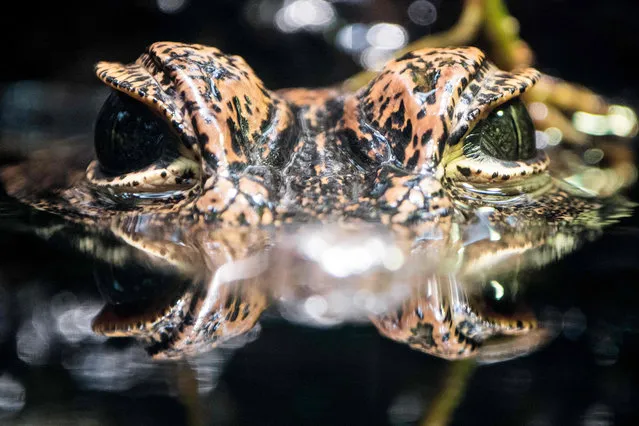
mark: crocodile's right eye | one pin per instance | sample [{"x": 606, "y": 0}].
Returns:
[
  {"x": 506, "y": 134},
  {"x": 500, "y": 151},
  {"x": 128, "y": 136}
]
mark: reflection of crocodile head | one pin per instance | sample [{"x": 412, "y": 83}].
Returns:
[{"x": 429, "y": 171}]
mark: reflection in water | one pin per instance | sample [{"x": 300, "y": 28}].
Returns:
[
  {"x": 208, "y": 286},
  {"x": 199, "y": 293}
]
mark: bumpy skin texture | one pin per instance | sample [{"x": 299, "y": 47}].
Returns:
[
  {"x": 391, "y": 153},
  {"x": 302, "y": 155}
]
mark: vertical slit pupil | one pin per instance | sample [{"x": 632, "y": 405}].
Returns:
[{"x": 507, "y": 133}]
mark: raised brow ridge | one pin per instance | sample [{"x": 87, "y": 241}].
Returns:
[
  {"x": 405, "y": 114},
  {"x": 425, "y": 101}
]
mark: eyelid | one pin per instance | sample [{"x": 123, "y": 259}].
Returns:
[
  {"x": 182, "y": 173},
  {"x": 125, "y": 129},
  {"x": 487, "y": 170}
]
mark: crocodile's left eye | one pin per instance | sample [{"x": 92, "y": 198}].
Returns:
[
  {"x": 128, "y": 136},
  {"x": 507, "y": 134},
  {"x": 138, "y": 153}
]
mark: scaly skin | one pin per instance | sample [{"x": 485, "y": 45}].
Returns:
[{"x": 253, "y": 161}]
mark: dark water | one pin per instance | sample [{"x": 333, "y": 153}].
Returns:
[
  {"x": 291, "y": 374},
  {"x": 54, "y": 370}
]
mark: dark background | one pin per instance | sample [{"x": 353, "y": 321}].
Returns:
[
  {"x": 589, "y": 41},
  {"x": 294, "y": 375}
]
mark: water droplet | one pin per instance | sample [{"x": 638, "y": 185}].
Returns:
[
  {"x": 541, "y": 139},
  {"x": 374, "y": 58},
  {"x": 171, "y": 6},
  {"x": 554, "y": 136},
  {"x": 422, "y": 12},
  {"x": 538, "y": 110},
  {"x": 309, "y": 15},
  {"x": 352, "y": 38},
  {"x": 387, "y": 36},
  {"x": 593, "y": 156}
]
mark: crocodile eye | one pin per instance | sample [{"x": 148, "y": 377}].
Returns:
[
  {"x": 128, "y": 136},
  {"x": 499, "y": 155},
  {"x": 506, "y": 134}
]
